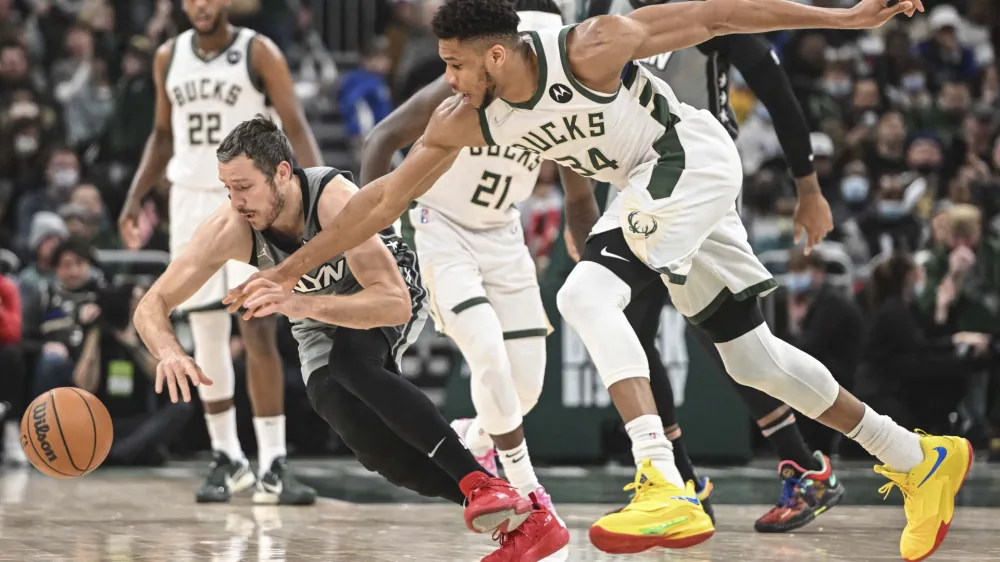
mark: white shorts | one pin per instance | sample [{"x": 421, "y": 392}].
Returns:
[
  {"x": 189, "y": 207},
  {"x": 679, "y": 217},
  {"x": 463, "y": 268}
]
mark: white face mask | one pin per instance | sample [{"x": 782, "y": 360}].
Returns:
[
  {"x": 25, "y": 145},
  {"x": 65, "y": 178}
]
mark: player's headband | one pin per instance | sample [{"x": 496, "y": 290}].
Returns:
[{"x": 532, "y": 21}]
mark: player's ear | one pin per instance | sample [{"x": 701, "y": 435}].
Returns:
[
  {"x": 284, "y": 171},
  {"x": 497, "y": 55}
]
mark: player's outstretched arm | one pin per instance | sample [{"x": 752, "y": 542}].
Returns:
[
  {"x": 156, "y": 156},
  {"x": 581, "y": 206},
  {"x": 400, "y": 129},
  {"x": 378, "y": 204},
  {"x": 271, "y": 66},
  {"x": 602, "y": 45},
  {"x": 383, "y": 301},
  {"x": 223, "y": 236}
]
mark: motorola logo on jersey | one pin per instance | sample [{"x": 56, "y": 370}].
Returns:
[
  {"x": 326, "y": 275},
  {"x": 560, "y": 93},
  {"x": 234, "y": 57}
]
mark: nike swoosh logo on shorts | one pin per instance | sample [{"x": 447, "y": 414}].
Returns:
[
  {"x": 942, "y": 453},
  {"x": 605, "y": 252}
]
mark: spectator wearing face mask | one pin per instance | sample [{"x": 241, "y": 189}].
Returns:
[
  {"x": 818, "y": 319},
  {"x": 925, "y": 159},
  {"x": 886, "y": 153},
  {"x": 963, "y": 279},
  {"x": 911, "y": 368},
  {"x": 889, "y": 225},
  {"x": 62, "y": 174},
  {"x": 951, "y": 107}
]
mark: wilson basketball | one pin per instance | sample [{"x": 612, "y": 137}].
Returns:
[{"x": 66, "y": 432}]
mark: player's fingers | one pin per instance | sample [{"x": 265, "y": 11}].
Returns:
[
  {"x": 159, "y": 381},
  {"x": 255, "y": 285},
  {"x": 901, "y": 7},
  {"x": 236, "y": 303},
  {"x": 919, "y": 4},
  {"x": 266, "y": 310},
  {"x": 799, "y": 232},
  {"x": 171, "y": 386},
  {"x": 182, "y": 382},
  {"x": 231, "y": 296},
  {"x": 248, "y": 314},
  {"x": 202, "y": 377},
  {"x": 261, "y": 298}
]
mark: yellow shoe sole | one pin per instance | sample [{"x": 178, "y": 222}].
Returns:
[{"x": 617, "y": 543}]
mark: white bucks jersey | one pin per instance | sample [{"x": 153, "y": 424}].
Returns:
[
  {"x": 208, "y": 99},
  {"x": 480, "y": 189},
  {"x": 607, "y": 137}
]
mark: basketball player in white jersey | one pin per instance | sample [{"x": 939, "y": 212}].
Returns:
[
  {"x": 209, "y": 80},
  {"x": 480, "y": 275},
  {"x": 576, "y": 95}
]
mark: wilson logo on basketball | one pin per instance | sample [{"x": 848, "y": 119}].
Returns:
[{"x": 42, "y": 430}]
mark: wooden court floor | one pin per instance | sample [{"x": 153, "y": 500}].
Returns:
[{"x": 139, "y": 516}]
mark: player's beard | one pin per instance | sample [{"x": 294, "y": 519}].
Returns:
[
  {"x": 490, "y": 93},
  {"x": 219, "y": 18},
  {"x": 277, "y": 205}
]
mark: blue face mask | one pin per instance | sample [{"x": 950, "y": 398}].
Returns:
[
  {"x": 854, "y": 189},
  {"x": 891, "y": 210},
  {"x": 918, "y": 288},
  {"x": 914, "y": 82},
  {"x": 798, "y": 283}
]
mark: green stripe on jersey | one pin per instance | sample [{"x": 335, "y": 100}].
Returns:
[{"x": 670, "y": 165}]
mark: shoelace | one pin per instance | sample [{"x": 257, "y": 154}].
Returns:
[
  {"x": 511, "y": 537},
  {"x": 789, "y": 493},
  {"x": 489, "y": 485},
  {"x": 904, "y": 489}
]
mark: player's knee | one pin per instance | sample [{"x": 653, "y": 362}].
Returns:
[
  {"x": 589, "y": 291},
  {"x": 211, "y": 331},
  {"x": 527, "y": 357}
]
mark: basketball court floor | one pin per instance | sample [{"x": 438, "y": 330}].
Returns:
[{"x": 123, "y": 515}]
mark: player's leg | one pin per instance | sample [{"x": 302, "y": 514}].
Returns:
[
  {"x": 375, "y": 445},
  {"x": 644, "y": 314},
  {"x": 511, "y": 284},
  {"x": 809, "y": 487},
  {"x": 211, "y": 327},
  {"x": 720, "y": 298},
  {"x": 362, "y": 361},
  {"x": 266, "y": 386},
  {"x": 450, "y": 259}
]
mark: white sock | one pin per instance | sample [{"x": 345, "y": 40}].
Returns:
[
  {"x": 476, "y": 438},
  {"x": 270, "y": 441},
  {"x": 885, "y": 440},
  {"x": 222, "y": 431},
  {"x": 518, "y": 470},
  {"x": 12, "y": 442},
  {"x": 649, "y": 442}
]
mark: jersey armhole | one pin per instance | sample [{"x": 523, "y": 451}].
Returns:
[
  {"x": 327, "y": 178},
  {"x": 170, "y": 61},
  {"x": 253, "y": 250},
  {"x": 596, "y": 97},
  {"x": 255, "y": 79}
]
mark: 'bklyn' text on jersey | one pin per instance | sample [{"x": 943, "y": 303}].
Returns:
[
  {"x": 206, "y": 89},
  {"x": 326, "y": 275}
]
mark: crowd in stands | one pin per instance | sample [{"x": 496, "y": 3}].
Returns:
[{"x": 902, "y": 302}]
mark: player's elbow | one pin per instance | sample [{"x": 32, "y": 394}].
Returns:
[{"x": 397, "y": 306}]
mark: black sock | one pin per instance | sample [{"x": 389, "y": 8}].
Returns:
[
  {"x": 787, "y": 441},
  {"x": 683, "y": 461}
]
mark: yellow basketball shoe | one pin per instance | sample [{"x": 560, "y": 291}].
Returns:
[
  {"x": 929, "y": 491},
  {"x": 660, "y": 514}
]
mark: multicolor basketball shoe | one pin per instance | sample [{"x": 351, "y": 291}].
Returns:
[
  {"x": 659, "y": 515},
  {"x": 805, "y": 494},
  {"x": 929, "y": 491}
]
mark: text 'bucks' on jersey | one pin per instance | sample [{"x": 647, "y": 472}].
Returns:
[
  {"x": 208, "y": 99},
  {"x": 334, "y": 277},
  {"x": 480, "y": 189},
  {"x": 606, "y": 137}
]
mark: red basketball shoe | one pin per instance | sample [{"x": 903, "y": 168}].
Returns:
[
  {"x": 540, "y": 536},
  {"x": 492, "y": 504}
]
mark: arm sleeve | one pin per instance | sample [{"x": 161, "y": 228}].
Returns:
[{"x": 753, "y": 57}]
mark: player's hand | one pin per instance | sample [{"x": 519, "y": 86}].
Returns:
[
  {"x": 267, "y": 297},
  {"x": 813, "y": 219},
  {"x": 873, "y": 13},
  {"x": 128, "y": 226},
  {"x": 238, "y": 295},
  {"x": 175, "y": 372}
]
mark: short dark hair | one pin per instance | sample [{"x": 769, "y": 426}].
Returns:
[
  {"x": 260, "y": 140},
  {"x": 75, "y": 246},
  {"x": 476, "y": 19}
]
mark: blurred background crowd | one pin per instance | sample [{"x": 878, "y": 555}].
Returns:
[{"x": 902, "y": 302}]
